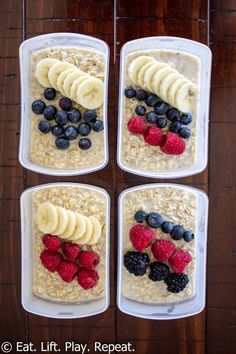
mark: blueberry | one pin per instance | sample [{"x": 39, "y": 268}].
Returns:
[
  {"x": 57, "y": 130},
  {"x": 50, "y": 93},
  {"x": 61, "y": 118},
  {"x": 140, "y": 216},
  {"x": 38, "y": 106},
  {"x": 98, "y": 126},
  {"x": 74, "y": 115},
  {"x": 90, "y": 116},
  {"x": 167, "y": 227},
  {"x": 177, "y": 232},
  {"x": 152, "y": 100},
  {"x": 185, "y": 133},
  {"x": 85, "y": 144},
  {"x": 62, "y": 143},
  {"x": 161, "y": 108},
  {"x": 84, "y": 129},
  {"x": 71, "y": 132},
  {"x": 175, "y": 126},
  {"x": 44, "y": 126},
  {"x": 65, "y": 103},
  {"x": 161, "y": 122},
  {"x": 188, "y": 236},
  {"x": 186, "y": 118},
  {"x": 130, "y": 92},
  {"x": 141, "y": 95},
  {"x": 154, "y": 220},
  {"x": 140, "y": 110},
  {"x": 173, "y": 114},
  {"x": 50, "y": 112},
  {"x": 151, "y": 117}
]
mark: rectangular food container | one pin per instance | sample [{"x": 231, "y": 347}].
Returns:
[
  {"x": 184, "y": 308},
  {"x": 190, "y": 47},
  {"x": 29, "y": 300},
  {"x": 49, "y": 41}
]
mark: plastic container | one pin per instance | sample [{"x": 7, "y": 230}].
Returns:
[
  {"x": 184, "y": 308},
  {"x": 39, "y": 43},
  {"x": 190, "y": 47},
  {"x": 31, "y": 302}
]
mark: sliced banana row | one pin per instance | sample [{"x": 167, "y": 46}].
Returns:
[
  {"x": 166, "y": 82},
  {"x": 68, "y": 224},
  {"x": 71, "y": 82}
]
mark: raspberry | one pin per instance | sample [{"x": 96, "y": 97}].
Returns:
[
  {"x": 88, "y": 260},
  {"x": 141, "y": 237},
  {"x": 173, "y": 144},
  {"x": 179, "y": 260},
  {"x": 136, "y": 262},
  {"x": 176, "y": 282},
  {"x": 137, "y": 125},
  {"x": 67, "y": 271},
  {"x": 87, "y": 278},
  {"x": 162, "y": 249},
  {"x": 153, "y": 136},
  {"x": 71, "y": 251},
  {"x": 51, "y": 242},
  {"x": 50, "y": 260}
]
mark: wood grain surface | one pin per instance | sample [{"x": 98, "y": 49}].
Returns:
[{"x": 213, "y": 23}]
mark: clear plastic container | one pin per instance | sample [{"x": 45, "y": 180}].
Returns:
[
  {"x": 190, "y": 47},
  {"x": 49, "y": 41},
  {"x": 31, "y": 302},
  {"x": 184, "y": 308}
]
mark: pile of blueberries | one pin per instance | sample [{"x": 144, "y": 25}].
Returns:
[
  {"x": 155, "y": 220},
  {"x": 62, "y": 129},
  {"x": 161, "y": 112}
]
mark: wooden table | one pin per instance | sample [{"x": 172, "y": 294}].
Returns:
[{"x": 214, "y": 330}]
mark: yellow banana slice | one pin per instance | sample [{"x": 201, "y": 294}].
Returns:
[
  {"x": 88, "y": 233},
  {"x": 90, "y": 93},
  {"x": 76, "y": 84},
  {"x": 47, "y": 218},
  {"x": 61, "y": 79},
  {"x": 42, "y": 70},
  {"x": 71, "y": 225},
  {"x": 136, "y": 65},
  {"x": 62, "y": 221},
  {"x": 56, "y": 70},
  {"x": 186, "y": 96},
  {"x": 97, "y": 231},
  {"x": 70, "y": 80},
  {"x": 80, "y": 227},
  {"x": 173, "y": 89}
]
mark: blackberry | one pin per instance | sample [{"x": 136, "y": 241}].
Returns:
[
  {"x": 176, "y": 282},
  {"x": 136, "y": 262},
  {"x": 159, "y": 271}
]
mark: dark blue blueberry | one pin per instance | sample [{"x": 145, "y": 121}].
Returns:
[
  {"x": 50, "y": 93},
  {"x": 188, "y": 236},
  {"x": 140, "y": 110},
  {"x": 151, "y": 117},
  {"x": 172, "y": 114},
  {"x": 161, "y": 122},
  {"x": 175, "y": 127},
  {"x": 154, "y": 220},
  {"x": 74, "y": 115},
  {"x": 44, "y": 126},
  {"x": 57, "y": 130},
  {"x": 71, "y": 132},
  {"x": 98, "y": 126},
  {"x": 152, "y": 100},
  {"x": 186, "y": 118},
  {"x": 61, "y": 118},
  {"x": 141, "y": 95},
  {"x": 177, "y": 232},
  {"x": 38, "y": 106},
  {"x": 140, "y": 216},
  {"x": 161, "y": 108},
  {"x": 50, "y": 112},
  {"x": 62, "y": 143},
  {"x": 185, "y": 133},
  {"x": 84, "y": 129},
  {"x": 85, "y": 144},
  {"x": 167, "y": 227},
  {"x": 65, "y": 103},
  {"x": 90, "y": 116},
  {"x": 130, "y": 92}
]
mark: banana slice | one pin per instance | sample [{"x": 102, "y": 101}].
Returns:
[
  {"x": 61, "y": 79},
  {"x": 159, "y": 76},
  {"x": 47, "y": 218},
  {"x": 90, "y": 93},
  {"x": 71, "y": 225},
  {"x": 70, "y": 79},
  {"x": 42, "y": 71},
  {"x": 141, "y": 73},
  {"x": 76, "y": 84},
  {"x": 166, "y": 84},
  {"x": 97, "y": 231},
  {"x": 136, "y": 65},
  {"x": 185, "y": 97},
  {"x": 80, "y": 227},
  {"x": 173, "y": 89},
  {"x": 56, "y": 70},
  {"x": 149, "y": 74},
  {"x": 88, "y": 233},
  {"x": 62, "y": 221}
]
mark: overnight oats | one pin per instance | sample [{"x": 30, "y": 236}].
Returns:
[
  {"x": 158, "y": 249},
  {"x": 67, "y": 92},
  {"x": 160, "y": 110},
  {"x": 69, "y": 244}
]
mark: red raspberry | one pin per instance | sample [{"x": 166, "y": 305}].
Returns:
[
  {"x": 179, "y": 260},
  {"x": 173, "y": 144},
  {"x": 141, "y": 237},
  {"x": 87, "y": 278},
  {"x": 50, "y": 260},
  {"x": 51, "y": 242},
  {"x": 137, "y": 125},
  {"x": 88, "y": 260},
  {"x": 67, "y": 271},
  {"x": 162, "y": 249},
  {"x": 71, "y": 251},
  {"x": 153, "y": 136}
]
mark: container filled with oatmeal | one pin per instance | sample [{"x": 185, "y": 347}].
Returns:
[
  {"x": 65, "y": 250},
  {"x": 64, "y": 89},
  {"x": 164, "y": 107},
  {"x": 162, "y": 251}
]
